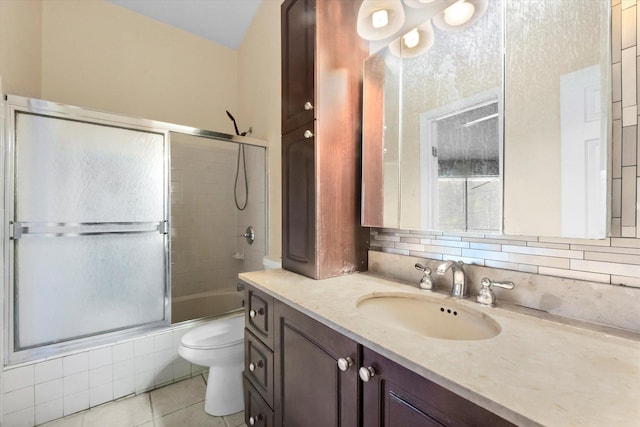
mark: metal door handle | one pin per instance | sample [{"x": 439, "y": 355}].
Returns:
[
  {"x": 366, "y": 373},
  {"x": 308, "y": 134},
  {"x": 344, "y": 363}
]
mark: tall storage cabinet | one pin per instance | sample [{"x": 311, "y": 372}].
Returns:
[{"x": 322, "y": 59}]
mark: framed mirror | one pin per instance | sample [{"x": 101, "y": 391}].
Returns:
[{"x": 484, "y": 132}]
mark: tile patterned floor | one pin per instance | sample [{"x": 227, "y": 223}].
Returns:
[{"x": 176, "y": 405}]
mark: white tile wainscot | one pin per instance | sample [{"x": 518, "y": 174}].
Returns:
[{"x": 45, "y": 390}]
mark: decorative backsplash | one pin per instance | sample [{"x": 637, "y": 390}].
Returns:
[{"x": 615, "y": 260}]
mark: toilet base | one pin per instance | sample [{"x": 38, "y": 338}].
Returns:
[{"x": 224, "y": 391}]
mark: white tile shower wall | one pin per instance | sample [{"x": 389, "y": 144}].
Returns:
[
  {"x": 203, "y": 215},
  {"x": 45, "y": 390},
  {"x": 615, "y": 260}
]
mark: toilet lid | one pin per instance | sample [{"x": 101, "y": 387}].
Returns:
[{"x": 216, "y": 334}]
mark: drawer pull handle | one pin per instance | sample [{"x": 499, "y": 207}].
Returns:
[
  {"x": 253, "y": 313},
  {"x": 254, "y": 420},
  {"x": 308, "y": 134},
  {"x": 308, "y": 106},
  {"x": 253, "y": 366},
  {"x": 344, "y": 363},
  {"x": 366, "y": 373}
]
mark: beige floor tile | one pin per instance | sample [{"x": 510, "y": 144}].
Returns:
[
  {"x": 192, "y": 416},
  {"x": 177, "y": 396},
  {"x": 147, "y": 424},
  {"x": 70, "y": 421},
  {"x": 235, "y": 420},
  {"x": 127, "y": 412}
]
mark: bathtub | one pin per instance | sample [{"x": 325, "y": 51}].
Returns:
[{"x": 205, "y": 304}]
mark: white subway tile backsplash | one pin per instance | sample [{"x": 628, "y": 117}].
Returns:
[
  {"x": 573, "y": 274},
  {"x": 75, "y": 363},
  {"x": 629, "y": 92},
  {"x": 18, "y": 400},
  {"x": 48, "y": 370},
  {"x": 14, "y": 379},
  {"x": 629, "y": 115},
  {"x": 50, "y": 390},
  {"x": 628, "y": 27}
]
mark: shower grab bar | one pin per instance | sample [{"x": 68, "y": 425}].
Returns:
[{"x": 19, "y": 230}]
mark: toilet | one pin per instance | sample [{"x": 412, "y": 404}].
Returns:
[{"x": 219, "y": 345}]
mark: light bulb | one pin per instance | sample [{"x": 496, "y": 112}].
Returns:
[
  {"x": 380, "y": 18},
  {"x": 411, "y": 39},
  {"x": 458, "y": 13}
]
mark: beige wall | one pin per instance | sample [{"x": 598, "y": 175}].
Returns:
[
  {"x": 21, "y": 46},
  {"x": 259, "y": 95},
  {"x": 99, "y": 55}
]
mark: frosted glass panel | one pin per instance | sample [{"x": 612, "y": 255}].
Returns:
[
  {"x": 68, "y": 287},
  {"x": 70, "y": 171}
]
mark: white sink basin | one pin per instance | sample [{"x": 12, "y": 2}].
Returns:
[{"x": 427, "y": 316}]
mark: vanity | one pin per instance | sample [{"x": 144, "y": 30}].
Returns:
[{"x": 315, "y": 356}]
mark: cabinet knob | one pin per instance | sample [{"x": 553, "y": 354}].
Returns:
[
  {"x": 253, "y": 366},
  {"x": 366, "y": 373},
  {"x": 308, "y": 134},
  {"x": 308, "y": 106},
  {"x": 254, "y": 420},
  {"x": 344, "y": 363},
  {"x": 253, "y": 313}
]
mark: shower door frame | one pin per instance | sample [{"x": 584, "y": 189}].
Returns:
[{"x": 14, "y": 105}]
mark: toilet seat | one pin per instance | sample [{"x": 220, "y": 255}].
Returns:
[{"x": 213, "y": 335}]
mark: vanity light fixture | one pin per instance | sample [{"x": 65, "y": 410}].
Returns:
[
  {"x": 418, "y": 3},
  {"x": 460, "y": 15},
  {"x": 379, "y": 19},
  {"x": 415, "y": 42}
]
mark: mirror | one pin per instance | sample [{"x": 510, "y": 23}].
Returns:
[{"x": 438, "y": 125}]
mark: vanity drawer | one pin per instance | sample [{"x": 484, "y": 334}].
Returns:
[
  {"x": 258, "y": 366},
  {"x": 256, "y": 411},
  {"x": 259, "y": 315}
]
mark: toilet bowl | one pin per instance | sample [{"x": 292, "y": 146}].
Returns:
[{"x": 219, "y": 344}]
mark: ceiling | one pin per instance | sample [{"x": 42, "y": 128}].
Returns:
[{"x": 222, "y": 21}]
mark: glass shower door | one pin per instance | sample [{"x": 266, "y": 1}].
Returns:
[{"x": 89, "y": 228}]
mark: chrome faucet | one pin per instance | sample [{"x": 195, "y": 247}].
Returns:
[
  {"x": 426, "y": 283},
  {"x": 459, "y": 289}
]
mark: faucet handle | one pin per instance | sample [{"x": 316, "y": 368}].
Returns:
[
  {"x": 486, "y": 295},
  {"x": 426, "y": 283}
]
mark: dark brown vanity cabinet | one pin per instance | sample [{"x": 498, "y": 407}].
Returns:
[
  {"x": 258, "y": 358},
  {"x": 322, "y": 59},
  {"x": 316, "y": 373},
  {"x": 309, "y": 376},
  {"x": 394, "y": 396}
]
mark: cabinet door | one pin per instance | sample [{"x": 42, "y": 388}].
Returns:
[
  {"x": 299, "y": 202},
  {"x": 311, "y": 390},
  {"x": 396, "y": 396},
  {"x": 298, "y": 51}
]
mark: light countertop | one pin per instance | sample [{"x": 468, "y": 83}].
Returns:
[{"x": 535, "y": 372}]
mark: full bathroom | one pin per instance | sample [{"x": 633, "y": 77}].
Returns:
[{"x": 347, "y": 215}]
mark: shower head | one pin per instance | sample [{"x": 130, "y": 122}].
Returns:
[{"x": 234, "y": 123}]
